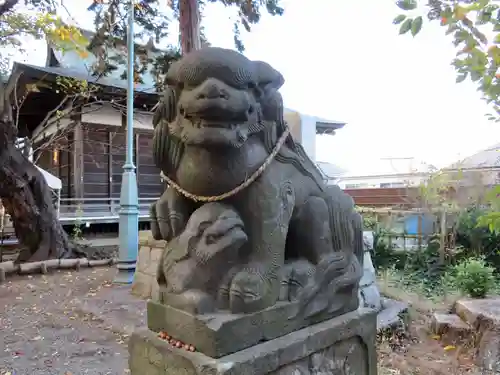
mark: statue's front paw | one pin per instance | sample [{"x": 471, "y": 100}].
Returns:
[
  {"x": 155, "y": 225},
  {"x": 252, "y": 290}
]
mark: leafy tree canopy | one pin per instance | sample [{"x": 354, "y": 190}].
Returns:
[
  {"x": 38, "y": 19},
  {"x": 152, "y": 23},
  {"x": 474, "y": 26}
]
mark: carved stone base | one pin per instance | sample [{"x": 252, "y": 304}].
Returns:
[
  {"x": 344, "y": 345},
  {"x": 220, "y": 334}
]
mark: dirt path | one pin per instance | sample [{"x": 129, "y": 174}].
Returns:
[
  {"x": 420, "y": 353},
  {"x": 72, "y": 323},
  {"x": 60, "y": 324}
]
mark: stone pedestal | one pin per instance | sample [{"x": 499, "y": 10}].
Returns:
[{"x": 344, "y": 345}]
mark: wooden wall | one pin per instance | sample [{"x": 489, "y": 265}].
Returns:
[
  {"x": 104, "y": 157},
  {"x": 384, "y": 197},
  {"x": 95, "y": 162},
  {"x": 98, "y": 162},
  {"x": 148, "y": 176}
]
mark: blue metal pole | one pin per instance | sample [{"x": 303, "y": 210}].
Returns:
[{"x": 129, "y": 202}]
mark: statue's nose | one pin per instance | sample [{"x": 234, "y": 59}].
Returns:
[{"x": 211, "y": 89}]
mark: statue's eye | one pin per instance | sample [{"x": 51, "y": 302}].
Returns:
[
  {"x": 210, "y": 239},
  {"x": 203, "y": 226},
  {"x": 255, "y": 89},
  {"x": 251, "y": 86}
]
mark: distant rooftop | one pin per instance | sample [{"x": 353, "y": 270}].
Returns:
[
  {"x": 487, "y": 158},
  {"x": 82, "y": 67},
  {"x": 39, "y": 71},
  {"x": 391, "y": 167},
  {"x": 323, "y": 126}
]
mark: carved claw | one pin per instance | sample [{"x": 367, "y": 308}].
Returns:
[
  {"x": 225, "y": 287},
  {"x": 253, "y": 290},
  {"x": 193, "y": 301},
  {"x": 160, "y": 223},
  {"x": 169, "y": 215},
  {"x": 155, "y": 227},
  {"x": 302, "y": 273}
]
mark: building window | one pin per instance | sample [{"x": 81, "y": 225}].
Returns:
[
  {"x": 355, "y": 186},
  {"x": 398, "y": 184},
  {"x": 385, "y": 185}
]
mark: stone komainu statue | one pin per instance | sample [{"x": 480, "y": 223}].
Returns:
[{"x": 220, "y": 135}]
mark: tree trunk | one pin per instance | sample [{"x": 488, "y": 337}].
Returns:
[
  {"x": 189, "y": 25},
  {"x": 28, "y": 200}
]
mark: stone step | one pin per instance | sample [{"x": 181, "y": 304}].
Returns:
[
  {"x": 452, "y": 329},
  {"x": 483, "y": 315}
]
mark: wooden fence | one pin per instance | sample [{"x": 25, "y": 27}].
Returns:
[{"x": 385, "y": 197}]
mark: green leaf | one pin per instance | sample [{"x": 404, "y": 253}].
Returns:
[
  {"x": 416, "y": 25},
  {"x": 399, "y": 19},
  {"x": 407, "y": 4},
  {"x": 462, "y": 77},
  {"x": 475, "y": 76},
  {"x": 405, "y": 27}
]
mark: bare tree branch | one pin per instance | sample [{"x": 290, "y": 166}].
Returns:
[{"x": 7, "y": 6}]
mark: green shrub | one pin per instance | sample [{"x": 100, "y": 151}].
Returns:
[
  {"x": 474, "y": 277},
  {"x": 475, "y": 240},
  {"x": 384, "y": 255}
]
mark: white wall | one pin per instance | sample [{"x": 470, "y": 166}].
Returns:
[
  {"x": 303, "y": 129},
  {"x": 376, "y": 182}
]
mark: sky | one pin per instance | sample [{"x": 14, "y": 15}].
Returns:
[{"x": 344, "y": 60}]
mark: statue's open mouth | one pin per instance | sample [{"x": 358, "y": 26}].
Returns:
[
  {"x": 216, "y": 113},
  {"x": 216, "y": 121},
  {"x": 213, "y": 124}
]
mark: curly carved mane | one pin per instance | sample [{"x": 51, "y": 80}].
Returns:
[{"x": 168, "y": 149}]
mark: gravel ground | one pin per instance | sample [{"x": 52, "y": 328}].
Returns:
[{"x": 67, "y": 323}]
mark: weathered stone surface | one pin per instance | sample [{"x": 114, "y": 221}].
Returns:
[
  {"x": 450, "y": 327},
  {"x": 342, "y": 358},
  {"x": 391, "y": 314},
  {"x": 143, "y": 258},
  {"x": 221, "y": 333},
  {"x": 470, "y": 310},
  {"x": 153, "y": 261},
  {"x": 344, "y": 345},
  {"x": 369, "y": 295},
  {"x": 483, "y": 315},
  {"x": 144, "y": 236},
  {"x": 141, "y": 285},
  {"x": 145, "y": 284}
]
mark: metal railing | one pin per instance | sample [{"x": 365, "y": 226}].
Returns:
[
  {"x": 97, "y": 210},
  {"x": 83, "y": 211}
]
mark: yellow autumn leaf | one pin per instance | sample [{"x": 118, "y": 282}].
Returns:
[
  {"x": 436, "y": 337},
  {"x": 449, "y": 347},
  {"x": 32, "y": 88},
  {"x": 460, "y": 12}
]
